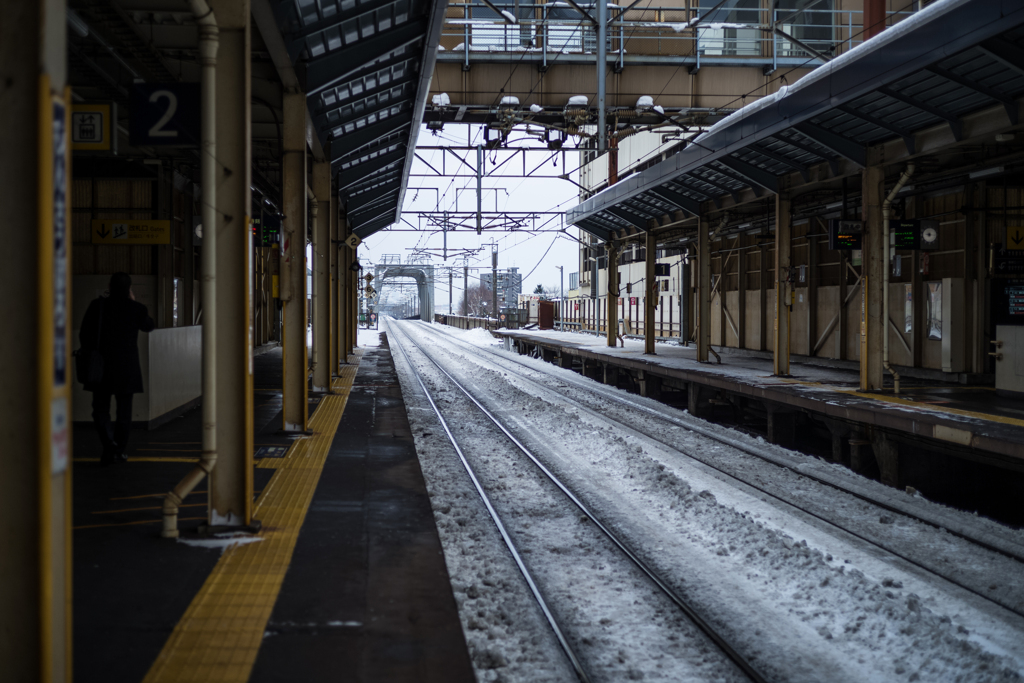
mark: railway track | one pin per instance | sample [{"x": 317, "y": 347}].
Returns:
[
  {"x": 930, "y": 565},
  {"x": 575, "y": 659}
]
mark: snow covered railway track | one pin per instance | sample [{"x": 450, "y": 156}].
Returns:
[
  {"x": 657, "y": 432},
  {"x": 575, "y": 660}
]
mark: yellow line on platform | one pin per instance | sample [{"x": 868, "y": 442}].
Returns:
[
  {"x": 942, "y": 409},
  {"x": 219, "y": 636}
]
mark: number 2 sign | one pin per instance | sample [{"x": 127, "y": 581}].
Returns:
[{"x": 165, "y": 114}]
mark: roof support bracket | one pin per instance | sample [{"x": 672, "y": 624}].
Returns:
[
  {"x": 753, "y": 174},
  {"x": 956, "y": 126},
  {"x": 836, "y": 143},
  {"x": 673, "y": 197},
  {"x": 1008, "y": 102}
]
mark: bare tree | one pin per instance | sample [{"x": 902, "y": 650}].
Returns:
[{"x": 479, "y": 299}]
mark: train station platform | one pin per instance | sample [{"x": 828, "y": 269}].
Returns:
[
  {"x": 929, "y": 417},
  {"x": 345, "y": 579}
]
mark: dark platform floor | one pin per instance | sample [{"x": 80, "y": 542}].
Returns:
[{"x": 368, "y": 552}]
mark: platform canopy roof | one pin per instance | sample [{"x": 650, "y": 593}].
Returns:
[
  {"x": 366, "y": 68},
  {"x": 954, "y": 58}
]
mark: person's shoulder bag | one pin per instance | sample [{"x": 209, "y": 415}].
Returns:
[{"x": 89, "y": 361}]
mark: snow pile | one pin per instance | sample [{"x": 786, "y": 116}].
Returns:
[
  {"x": 368, "y": 338},
  {"x": 440, "y": 48},
  {"x": 221, "y": 541},
  {"x": 510, "y": 100},
  {"x": 441, "y": 100},
  {"x": 536, "y": 108},
  {"x": 645, "y": 102},
  {"x": 509, "y": 16},
  {"x": 659, "y": 109},
  {"x": 578, "y": 101},
  {"x": 460, "y": 46}
]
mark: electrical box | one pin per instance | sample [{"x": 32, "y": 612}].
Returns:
[
  {"x": 952, "y": 324},
  {"x": 845, "y": 234},
  {"x": 1009, "y": 350}
]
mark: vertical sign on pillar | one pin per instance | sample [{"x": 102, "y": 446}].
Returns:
[{"x": 54, "y": 434}]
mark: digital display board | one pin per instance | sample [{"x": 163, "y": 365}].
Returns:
[
  {"x": 845, "y": 234},
  {"x": 906, "y": 234},
  {"x": 1008, "y": 302}
]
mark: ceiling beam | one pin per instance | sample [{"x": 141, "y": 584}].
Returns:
[
  {"x": 362, "y": 170},
  {"x": 673, "y": 197},
  {"x": 908, "y": 136},
  {"x": 956, "y": 126},
  {"x": 333, "y": 67},
  {"x": 1007, "y": 101},
  {"x": 753, "y": 174},
  {"x": 359, "y": 138},
  {"x": 834, "y": 143}
]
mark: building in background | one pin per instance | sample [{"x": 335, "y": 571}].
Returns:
[{"x": 510, "y": 285}]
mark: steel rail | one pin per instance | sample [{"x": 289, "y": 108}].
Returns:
[
  {"x": 562, "y": 640},
  {"x": 732, "y": 443},
  {"x": 738, "y": 659}
]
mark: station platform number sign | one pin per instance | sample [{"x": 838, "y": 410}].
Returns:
[{"x": 131, "y": 233}]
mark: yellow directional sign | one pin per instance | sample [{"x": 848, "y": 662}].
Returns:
[
  {"x": 131, "y": 232},
  {"x": 1015, "y": 237},
  {"x": 370, "y": 291},
  {"x": 353, "y": 241},
  {"x": 368, "y": 277}
]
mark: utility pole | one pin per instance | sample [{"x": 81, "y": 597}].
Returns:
[
  {"x": 602, "y": 67},
  {"x": 479, "y": 188},
  {"x": 561, "y": 299},
  {"x": 494, "y": 280},
  {"x": 450, "y": 291},
  {"x": 465, "y": 291}
]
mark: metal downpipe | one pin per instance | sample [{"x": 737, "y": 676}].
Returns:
[
  {"x": 886, "y": 215},
  {"x": 208, "y": 43}
]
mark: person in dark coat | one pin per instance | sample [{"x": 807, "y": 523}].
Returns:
[{"x": 122, "y": 319}]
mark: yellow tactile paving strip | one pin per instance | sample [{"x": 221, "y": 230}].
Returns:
[{"x": 220, "y": 634}]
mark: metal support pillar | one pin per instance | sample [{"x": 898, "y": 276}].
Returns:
[
  {"x": 612, "y": 324},
  {"x": 741, "y": 295},
  {"x": 651, "y": 294},
  {"x": 230, "y": 499},
  {"x": 465, "y": 291},
  {"x": 602, "y": 70},
  {"x": 321, "y": 182},
  {"x": 344, "y": 282},
  {"x": 293, "y": 264},
  {"x": 783, "y": 286},
  {"x": 333, "y": 258},
  {"x": 762, "y": 307},
  {"x": 35, "y": 422},
  {"x": 354, "y": 301},
  {"x": 703, "y": 291},
  {"x": 685, "y": 300},
  {"x": 812, "y": 294},
  {"x": 842, "y": 328},
  {"x": 873, "y": 254}
]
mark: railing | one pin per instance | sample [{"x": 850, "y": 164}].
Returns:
[{"x": 545, "y": 32}]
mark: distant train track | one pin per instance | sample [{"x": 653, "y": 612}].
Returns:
[
  {"x": 575, "y": 660},
  {"x": 582, "y": 384}
]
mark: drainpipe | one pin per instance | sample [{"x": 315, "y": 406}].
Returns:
[
  {"x": 208, "y": 42},
  {"x": 886, "y": 214}
]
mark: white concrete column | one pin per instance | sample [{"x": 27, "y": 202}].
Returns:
[
  {"x": 230, "y": 499},
  {"x": 35, "y": 404},
  {"x": 322, "y": 277},
  {"x": 293, "y": 264}
]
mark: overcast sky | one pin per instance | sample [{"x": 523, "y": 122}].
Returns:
[{"x": 536, "y": 255}]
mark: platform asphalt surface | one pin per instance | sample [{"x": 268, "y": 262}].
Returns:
[
  {"x": 368, "y": 596},
  {"x": 368, "y": 552}
]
